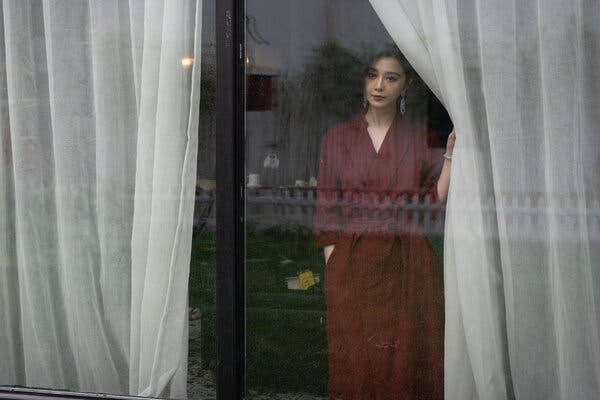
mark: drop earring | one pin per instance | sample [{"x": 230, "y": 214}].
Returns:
[
  {"x": 403, "y": 99},
  {"x": 365, "y": 103}
]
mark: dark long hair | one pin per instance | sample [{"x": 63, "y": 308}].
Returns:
[{"x": 416, "y": 90}]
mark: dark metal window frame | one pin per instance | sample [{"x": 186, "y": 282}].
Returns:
[
  {"x": 231, "y": 352},
  {"x": 230, "y": 248},
  {"x": 22, "y": 393}
]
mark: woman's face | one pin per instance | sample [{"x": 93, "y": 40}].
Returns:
[{"x": 385, "y": 83}]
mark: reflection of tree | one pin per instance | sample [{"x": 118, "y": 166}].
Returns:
[
  {"x": 208, "y": 79},
  {"x": 334, "y": 76},
  {"x": 206, "y": 123},
  {"x": 328, "y": 91}
]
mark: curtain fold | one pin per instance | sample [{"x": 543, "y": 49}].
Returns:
[
  {"x": 97, "y": 174},
  {"x": 522, "y": 245},
  {"x": 165, "y": 204}
]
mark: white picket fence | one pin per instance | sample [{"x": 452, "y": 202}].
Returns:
[
  {"x": 292, "y": 208},
  {"x": 523, "y": 216}
]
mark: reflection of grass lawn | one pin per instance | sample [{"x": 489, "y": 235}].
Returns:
[
  {"x": 286, "y": 344},
  {"x": 285, "y": 334},
  {"x": 285, "y": 341},
  {"x": 202, "y": 295}
]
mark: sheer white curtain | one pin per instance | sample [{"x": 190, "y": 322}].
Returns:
[
  {"x": 98, "y": 147},
  {"x": 522, "y": 249}
]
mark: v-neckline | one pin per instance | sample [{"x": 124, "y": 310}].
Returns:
[{"x": 385, "y": 138}]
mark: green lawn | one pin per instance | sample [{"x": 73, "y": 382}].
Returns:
[{"x": 285, "y": 342}]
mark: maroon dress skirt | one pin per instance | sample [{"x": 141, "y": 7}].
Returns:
[{"x": 383, "y": 281}]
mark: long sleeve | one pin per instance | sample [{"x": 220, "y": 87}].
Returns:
[{"x": 327, "y": 221}]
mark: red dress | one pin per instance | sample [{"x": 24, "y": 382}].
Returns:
[{"x": 383, "y": 284}]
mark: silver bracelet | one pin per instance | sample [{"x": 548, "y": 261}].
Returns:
[{"x": 447, "y": 157}]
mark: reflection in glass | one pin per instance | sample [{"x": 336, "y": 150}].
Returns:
[{"x": 301, "y": 338}]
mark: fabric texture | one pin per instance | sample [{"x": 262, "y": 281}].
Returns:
[
  {"x": 98, "y": 150},
  {"x": 521, "y": 263},
  {"x": 383, "y": 283}
]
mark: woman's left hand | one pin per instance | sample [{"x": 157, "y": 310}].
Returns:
[{"x": 451, "y": 142}]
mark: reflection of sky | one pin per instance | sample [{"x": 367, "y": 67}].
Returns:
[{"x": 294, "y": 28}]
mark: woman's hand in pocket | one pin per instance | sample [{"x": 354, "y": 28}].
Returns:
[{"x": 327, "y": 251}]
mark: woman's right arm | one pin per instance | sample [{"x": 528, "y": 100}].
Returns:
[{"x": 443, "y": 183}]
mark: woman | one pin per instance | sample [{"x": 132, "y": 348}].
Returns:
[{"x": 383, "y": 282}]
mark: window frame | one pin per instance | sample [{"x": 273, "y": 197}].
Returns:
[
  {"x": 25, "y": 393},
  {"x": 230, "y": 191},
  {"x": 230, "y": 227}
]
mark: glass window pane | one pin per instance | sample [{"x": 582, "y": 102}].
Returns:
[
  {"x": 202, "y": 360},
  {"x": 344, "y": 148},
  {"x": 484, "y": 285},
  {"x": 105, "y": 118}
]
